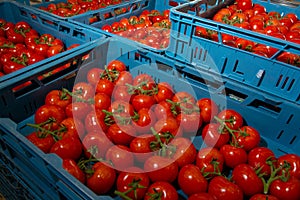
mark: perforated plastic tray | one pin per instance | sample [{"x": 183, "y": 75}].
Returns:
[{"x": 265, "y": 74}]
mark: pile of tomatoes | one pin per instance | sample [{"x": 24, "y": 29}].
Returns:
[
  {"x": 151, "y": 28},
  {"x": 20, "y": 46},
  {"x": 75, "y": 7},
  {"x": 129, "y": 136},
  {"x": 252, "y": 16}
]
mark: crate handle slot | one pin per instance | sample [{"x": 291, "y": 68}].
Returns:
[{"x": 266, "y": 105}]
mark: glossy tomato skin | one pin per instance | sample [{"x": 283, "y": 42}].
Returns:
[
  {"x": 233, "y": 156},
  {"x": 259, "y": 156},
  {"x": 164, "y": 92},
  {"x": 145, "y": 120},
  {"x": 69, "y": 147},
  {"x": 189, "y": 122},
  {"x": 263, "y": 197},
  {"x": 140, "y": 146},
  {"x": 244, "y": 176},
  {"x": 95, "y": 143},
  {"x": 185, "y": 152},
  {"x": 288, "y": 190},
  {"x": 102, "y": 179},
  {"x": 235, "y": 118},
  {"x": 294, "y": 162},
  {"x": 121, "y": 134},
  {"x": 58, "y": 97},
  {"x": 132, "y": 175},
  {"x": 208, "y": 109},
  {"x": 161, "y": 190},
  {"x": 222, "y": 189},
  {"x": 191, "y": 180},
  {"x": 48, "y": 112},
  {"x": 213, "y": 136},
  {"x": 161, "y": 169},
  {"x": 248, "y": 137},
  {"x": 207, "y": 157},
  {"x": 72, "y": 167},
  {"x": 201, "y": 196},
  {"x": 120, "y": 156},
  {"x": 42, "y": 142}
]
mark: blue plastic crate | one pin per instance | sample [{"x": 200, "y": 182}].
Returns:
[
  {"x": 135, "y": 7},
  {"x": 265, "y": 74},
  {"x": 275, "y": 118},
  {"x": 45, "y": 3},
  {"x": 12, "y": 186},
  {"x": 69, "y": 33}
]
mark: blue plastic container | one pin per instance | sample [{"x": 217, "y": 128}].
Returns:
[
  {"x": 265, "y": 74},
  {"x": 45, "y": 3},
  {"x": 276, "y": 119},
  {"x": 69, "y": 33},
  {"x": 12, "y": 186},
  {"x": 135, "y": 7}
]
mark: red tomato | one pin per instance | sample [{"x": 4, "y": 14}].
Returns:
[
  {"x": 263, "y": 197},
  {"x": 50, "y": 115},
  {"x": 233, "y": 156},
  {"x": 244, "y": 4},
  {"x": 120, "y": 156},
  {"x": 222, "y": 189},
  {"x": 244, "y": 175},
  {"x": 72, "y": 127},
  {"x": 231, "y": 118},
  {"x": 93, "y": 75},
  {"x": 124, "y": 78},
  {"x": 141, "y": 147},
  {"x": 94, "y": 120},
  {"x": 208, "y": 109},
  {"x": 102, "y": 179},
  {"x": 191, "y": 180},
  {"x": 161, "y": 190},
  {"x": 42, "y": 140},
  {"x": 132, "y": 183},
  {"x": 71, "y": 166},
  {"x": 116, "y": 65},
  {"x": 286, "y": 190},
  {"x": 294, "y": 162},
  {"x": 142, "y": 101},
  {"x": 121, "y": 134},
  {"x": 144, "y": 82},
  {"x": 78, "y": 110},
  {"x": 259, "y": 156},
  {"x": 102, "y": 101},
  {"x": 83, "y": 91},
  {"x": 161, "y": 169},
  {"x": 68, "y": 147},
  {"x": 210, "y": 160},
  {"x": 145, "y": 120},
  {"x": 248, "y": 138},
  {"x": 164, "y": 92},
  {"x": 189, "y": 122},
  {"x": 121, "y": 93},
  {"x": 214, "y": 136},
  {"x": 58, "y": 97},
  {"x": 185, "y": 151},
  {"x": 95, "y": 143},
  {"x": 201, "y": 196},
  {"x": 105, "y": 86}
]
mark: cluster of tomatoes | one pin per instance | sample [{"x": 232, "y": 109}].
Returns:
[
  {"x": 20, "y": 46},
  {"x": 151, "y": 28},
  {"x": 75, "y": 7},
  {"x": 247, "y": 15},
  {"x": 131, "y": 137}
]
